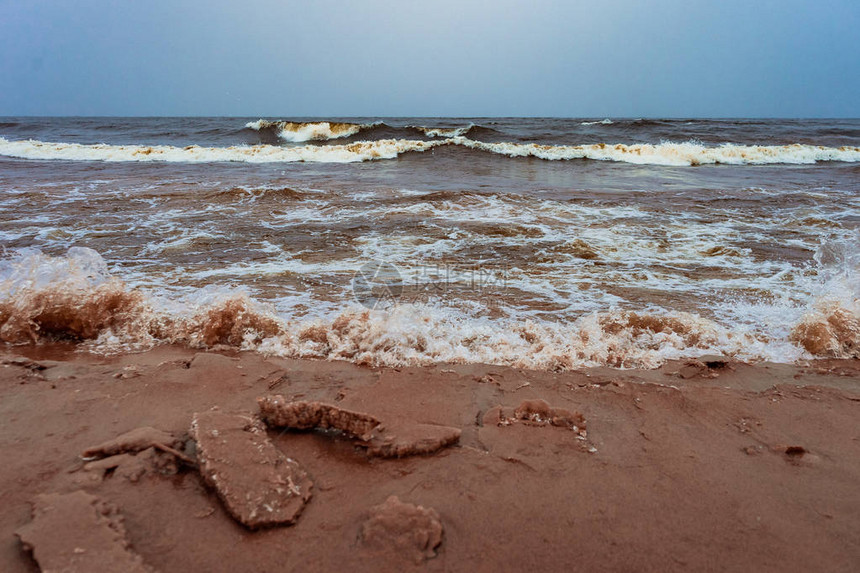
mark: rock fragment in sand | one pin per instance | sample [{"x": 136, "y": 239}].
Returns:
[
  {"x": 78, "y": 533},
  {"x": 24, "y": 362},
  {"x": 258, "y": 484},
  {"x": 796, "y": 455},
  {"x": 134, "y": 466},
  {"x": 714, "y": 361},
  {"x": 536, "y": 413},
  {"x": 409, "y": 531},
  {"x": 691, "y": 369},
  {"x": 703, "y": 366},
  {"x": 755, "y": 450},
  {"x": 212, "y": 360},
  {"x": 400, "y": 440},
  {"x": 397, "y": 439},
  {"x": 279, "y": 412},
  {"x": 795, "y": 451},
  {"x": 133, "y": 441}
]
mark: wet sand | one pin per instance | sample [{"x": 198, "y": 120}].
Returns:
[{"x": 719, "y": 466}]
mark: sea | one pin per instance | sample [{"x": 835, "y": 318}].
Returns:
[{"x": 537, "y": 243}]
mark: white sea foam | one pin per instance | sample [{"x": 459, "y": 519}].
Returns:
[
  {"x": 606, "y": 121},
  {"x": 575, "y": 256},
  {"x": 359, "y": 151},
  {"x": 830, "y": 321},
  {"x": 675, "y": 154},
  {"x": 444, "y": 131},
  {"x": 74, "y": 296}
]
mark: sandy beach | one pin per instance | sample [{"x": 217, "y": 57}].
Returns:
[
  {"x": 429, "y": 343},
  {"x": 391, "y": 286},
  {"x": 694, "y": 466}
]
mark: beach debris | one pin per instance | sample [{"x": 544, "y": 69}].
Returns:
[
  {"x": 411, "y": 531},
  {"x": 714, "y": 361},
  {"x": 536, "y": 413},
  {"x": 257, "y": 483},
  {"x": 705, "y": 366},
  {"x": 277, "y": 411},
  {"x": 395, "y": 439},
  {"x": 134, "y": 466},
  {"x": 128, "y": 371},
  {"x": 796, "y": 455},
  {"x": 212, "y": 360},
  {"x": 24, "y": 362},
  {"x": 691, "y": 369},
  {"x": 135, "y": 453},
  {"x": 797, "y": 451},
  {"x": 487, "y": 379},
  {"x": 134, "y": 441},
  {"x": 275, "y": 382},
  {"x": 79, "y": 533},
  {"x": 400, "y": 440}
]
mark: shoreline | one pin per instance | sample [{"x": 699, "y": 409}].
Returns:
[{"x": 685, "y": 467}]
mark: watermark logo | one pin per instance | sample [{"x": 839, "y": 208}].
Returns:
[{"x": 377, "y": 285}]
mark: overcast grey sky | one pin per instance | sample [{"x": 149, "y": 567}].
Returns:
[{"x": 635, "y": 58}]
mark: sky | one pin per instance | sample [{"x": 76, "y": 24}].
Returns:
[{"x": 458, "y": 58}]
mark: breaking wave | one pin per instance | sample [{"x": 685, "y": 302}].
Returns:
[
  {"x": 831, "y": 324},
  {"x": 346, "y": 153},
  {"x": 74, "y": 297},
  {"x": 671, "y": 154},
  {"x": 298, "y": 132},
  {"x": 674, "y": 154},
  {"x": 443, "y": 131}
]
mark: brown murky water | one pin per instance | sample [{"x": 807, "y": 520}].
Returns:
[{"x": 464, "y": 243}]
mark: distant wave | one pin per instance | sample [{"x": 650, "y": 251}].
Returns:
[
  {"x": 674, "y": 154},
  {"x": 606, "y": 121},
  {"x": 443, "y": 131},
  {"x": 298, "y": 132}
]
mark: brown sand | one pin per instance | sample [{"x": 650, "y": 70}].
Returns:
[{"x": 709, "y": 466}]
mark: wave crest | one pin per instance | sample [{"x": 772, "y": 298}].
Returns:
[
  {"x": 834, "y": 333},
  {"x": 298, "y": 132},
  {"x": 671, "y": 154},
  {"x": 70, "y": 298},
  {"x": 831, "y": 326},
  {"x": 344, "y": 153},
  {"x": 443, "y": 131}
]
